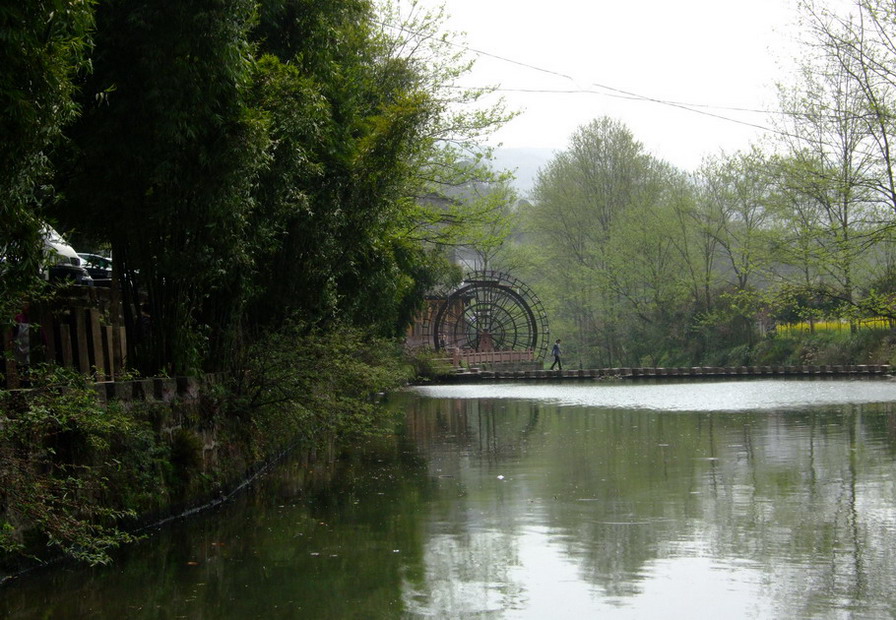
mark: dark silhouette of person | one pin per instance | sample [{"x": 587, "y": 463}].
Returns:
[{"x": 556, "y": 352}]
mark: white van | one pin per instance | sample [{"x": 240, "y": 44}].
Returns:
[{"x": 63, "y": 263}]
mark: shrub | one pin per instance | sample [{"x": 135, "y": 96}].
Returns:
[
  {"x": 427, "y": 364},
  {"x": 313, "y": 385},
  {"x": 58, "y": 446}
]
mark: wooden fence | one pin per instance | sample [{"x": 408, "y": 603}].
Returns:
[{"x": 80, "y": 328}]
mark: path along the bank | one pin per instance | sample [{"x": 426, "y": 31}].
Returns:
[{"x": 473, "y": 375}]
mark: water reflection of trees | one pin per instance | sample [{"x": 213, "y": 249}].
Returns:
[
  {"x": 424, "y": 525},
  {"x": 309, "y": 540},
  {"x": 805, "y": 496}
]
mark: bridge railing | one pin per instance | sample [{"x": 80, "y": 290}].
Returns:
[{"x": 460, "y": 357}]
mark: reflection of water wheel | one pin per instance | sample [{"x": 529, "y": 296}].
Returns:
[{"x": 491, "y": 311}]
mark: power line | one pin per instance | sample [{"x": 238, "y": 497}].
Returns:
[
  {"x": 683, "y": 106},
  {"x": 612, "y": 91},
  {"x": 605, "y": 90},
  {"x": 586, "y": 91}
]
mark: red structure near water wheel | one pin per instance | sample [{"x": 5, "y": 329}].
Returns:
[{"x": 489, "y": 313}]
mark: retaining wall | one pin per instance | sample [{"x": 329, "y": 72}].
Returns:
[{"x": 164, "y": 389}]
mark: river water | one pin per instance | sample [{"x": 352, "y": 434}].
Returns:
[{"x": 722, "y": 499}]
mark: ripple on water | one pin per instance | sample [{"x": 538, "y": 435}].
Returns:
[{"x": 695, "y": 396}]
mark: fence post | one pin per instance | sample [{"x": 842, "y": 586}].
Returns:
[
  {"x": 108, "y": 348},
  {"x": 96, "y": 339},
  {"x": 80, "y": 338}
]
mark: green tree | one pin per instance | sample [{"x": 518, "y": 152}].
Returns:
[
  {"x": 735, "y": 196},
  {"x": 600, "y": 210},
  {"x": 44, "y": 44},
  {"x": 647, "y": 270},
  {"x": 161, "y": 164},
  {"x": 453, "y": 196},
  {"x": 837, "y": 169},
  {"x": 451, "y": 149},
  {"x": 825, "y": 171},
  {"x": 252, "y": 162},
  {"x": 849, "y": 92},
  {"x": 343, "y": 117},
  {"x": 362, "y": 135}
]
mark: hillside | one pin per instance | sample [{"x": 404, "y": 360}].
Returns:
[{"x": 524, "y": 163}]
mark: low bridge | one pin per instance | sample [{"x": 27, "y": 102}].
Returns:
[{"x": 698, "y": 372}]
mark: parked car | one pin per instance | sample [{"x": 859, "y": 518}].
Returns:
[
  {"x": 63, "y": 263},
  {"x": 99, "y": 268}
]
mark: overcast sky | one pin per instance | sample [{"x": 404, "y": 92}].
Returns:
[{"x": 712, "y": 55}]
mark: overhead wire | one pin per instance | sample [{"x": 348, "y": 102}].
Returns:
[
  {"x": 611, "y": 90},
  {"x": 588, "y": 91},
  {"x": 604, "y": 89}
]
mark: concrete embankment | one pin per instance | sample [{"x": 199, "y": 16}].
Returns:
[{"x": 698, "y": 372}]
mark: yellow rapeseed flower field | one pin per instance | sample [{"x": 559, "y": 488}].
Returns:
[{"x": 842, "y": 325}]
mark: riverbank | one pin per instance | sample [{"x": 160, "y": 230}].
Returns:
[
  {"x": 87, "y": 465},
  {"x": 85, "y": 470}
]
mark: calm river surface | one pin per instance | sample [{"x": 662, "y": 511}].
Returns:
[{"x": 729, "y": 499}]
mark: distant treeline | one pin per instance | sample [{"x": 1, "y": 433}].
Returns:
[{"x": 640, "y": 263}]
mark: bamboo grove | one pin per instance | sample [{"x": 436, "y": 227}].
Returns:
[{"x": 246, "y": 163}]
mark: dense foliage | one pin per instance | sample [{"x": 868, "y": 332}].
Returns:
[
  {"x": 244, "y": 162},
  {"x": 44, "y": 43},
  {"x": 323, "y": 385},
  {"x": 160, "y": 164},
  {"x": 60, "y": 451},
  {"x": 257, "y": 171},
  {"x": 75, "y": 471},
  {"x": 642, "y": 264}
]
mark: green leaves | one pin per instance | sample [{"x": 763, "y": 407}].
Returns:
[
  {"x": 55, "y": 443},
  {"x": 247, "y": 162},
  {"x": 323, "y": 381},
  {"x": 163, "y": 164},
  {"x": 43, "y": 45}
]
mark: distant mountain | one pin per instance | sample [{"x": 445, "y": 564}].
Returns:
[{"x": 524, "y": 163}]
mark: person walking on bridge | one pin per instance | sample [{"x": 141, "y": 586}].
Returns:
[{"x": 555, "y": 351}]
